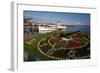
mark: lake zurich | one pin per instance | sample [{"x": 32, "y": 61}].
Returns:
[{"x": 81, "y": 28}]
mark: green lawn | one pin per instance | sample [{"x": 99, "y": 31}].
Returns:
[{"x": 32, "y": 48}]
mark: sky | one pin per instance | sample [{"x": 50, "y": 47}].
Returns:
[{"x": 64, "y": 17}]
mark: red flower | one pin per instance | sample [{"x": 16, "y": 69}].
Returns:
[
  {"x": 73, "y": 44},
  {"x": 54, "y": 40},
  {"x": 78, "y": 35}
]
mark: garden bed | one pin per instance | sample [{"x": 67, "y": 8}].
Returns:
[{"x": 50, "y": 46}]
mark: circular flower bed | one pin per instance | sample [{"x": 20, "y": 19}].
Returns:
[{"x": 57, "y": 48}]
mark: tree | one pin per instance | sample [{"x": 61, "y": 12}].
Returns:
[{"x": 27, "y": 19}]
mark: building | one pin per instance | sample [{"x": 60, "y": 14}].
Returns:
[
  {"x": 51, "y": 27},
  {"x": 43, "y": 27}
]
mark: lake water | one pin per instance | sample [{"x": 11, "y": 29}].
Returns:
[{"x": 81, "y": 28}]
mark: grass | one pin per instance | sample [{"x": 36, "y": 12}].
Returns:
[{"x": 32, "y": 48}]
